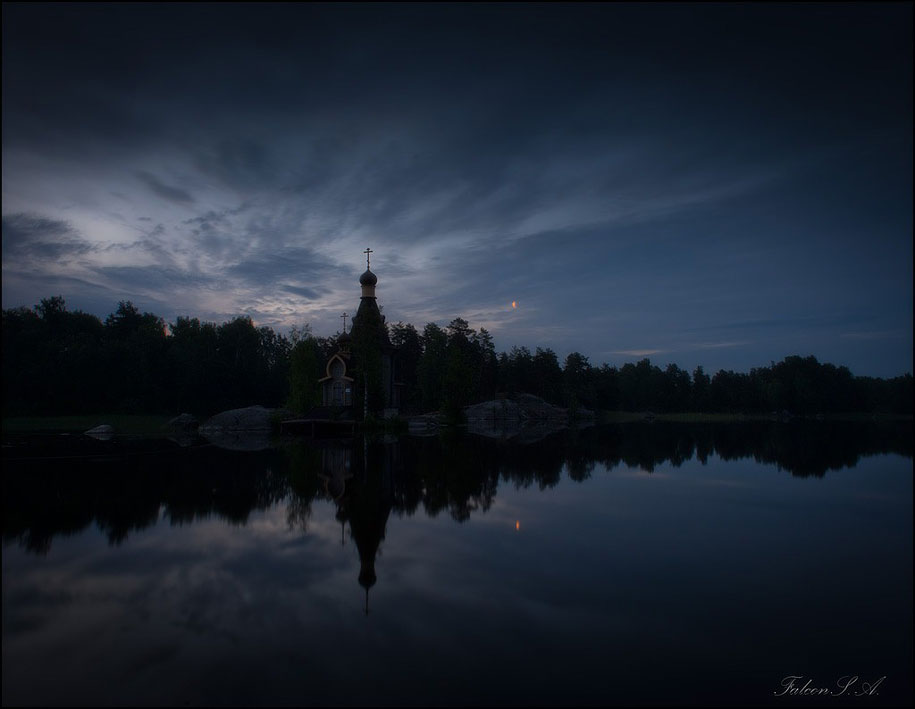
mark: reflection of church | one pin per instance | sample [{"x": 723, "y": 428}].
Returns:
[
  {"x": 367, "y": 339},
  {"x": 364, "y": 498}
]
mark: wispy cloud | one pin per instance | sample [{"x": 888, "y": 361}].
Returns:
[
  {"x": 877, "y": 335},
  {"x": 245, "y": 171},
  {"x": 718, "y": 345},
  {"x": 169, "y": 192},
  {"x": 636, "y": 353},
  {"x": 301, "y": 291},
  {"x": 34, "y": 238}
]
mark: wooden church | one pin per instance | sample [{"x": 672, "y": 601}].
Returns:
[{"x": 364, "y": 366}]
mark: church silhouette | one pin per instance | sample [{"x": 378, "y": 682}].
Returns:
[{"x": 361, "y": 374}]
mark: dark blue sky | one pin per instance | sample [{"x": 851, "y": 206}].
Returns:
[{"x": 718, "y": 184}]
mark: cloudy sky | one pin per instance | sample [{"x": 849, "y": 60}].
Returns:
[{"x": 719, "y": 184}]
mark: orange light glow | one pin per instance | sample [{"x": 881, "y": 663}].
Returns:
[
  {"x": 517, "y": 525},
  {"x": 514, "y": 304}
]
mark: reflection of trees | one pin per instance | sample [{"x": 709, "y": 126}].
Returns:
[{"x": 64, "y": 484}]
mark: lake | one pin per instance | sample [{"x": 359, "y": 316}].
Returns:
[{"x": 640, "y": 563}]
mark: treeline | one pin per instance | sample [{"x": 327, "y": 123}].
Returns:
[
  {"x": 60, "y": 362},
  {"x": 456, "y": 366},
  {"x": 57, "y": 361}
]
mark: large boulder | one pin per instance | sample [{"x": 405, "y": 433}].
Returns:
[
  {"x": 243, "y": 429},
  {"x": 424, "y": 425},
  {"x": 523, "y": 407},
  {"x": 104, "y": 432},
  {"x": 239, "y": 440},
  {"x": 185, "y": 423},
  {"x": 182, "y": 430},
  {"x": 493, "y": 410},
  {"x": 524, "y": 418},
  {"x": 250, "y": 418}
]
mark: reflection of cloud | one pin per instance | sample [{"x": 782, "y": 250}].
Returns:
[
  {"x": 641, "y": 474},
  {"x": 719, "y": 482}
]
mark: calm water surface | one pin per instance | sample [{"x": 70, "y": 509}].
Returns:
[{"x": 640, "y": 563}]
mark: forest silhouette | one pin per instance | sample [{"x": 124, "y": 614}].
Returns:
[{"x": 56, "y": 361}]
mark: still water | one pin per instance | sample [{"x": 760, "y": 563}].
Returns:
[{"x": 641, "y": 563}]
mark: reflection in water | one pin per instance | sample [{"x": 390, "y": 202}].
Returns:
[
  {"x": 701, "y": 581},
  {"x": 59, "y": 485},
  {"x": 363, "y": 499}
]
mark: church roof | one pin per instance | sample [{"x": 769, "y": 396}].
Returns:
[
  {"x": 368, "y": 278},
  {"x": 369, "y": 311}
]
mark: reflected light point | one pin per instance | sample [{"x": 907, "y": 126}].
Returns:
[
  {"x": 518, "y": 525},
  {"x": 514, "y": 304}
]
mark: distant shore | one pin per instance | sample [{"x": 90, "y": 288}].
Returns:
[
  {"x": 131, "y": 424},
  {"x": 152, "y": 424},
  {"x": 699, "y": 417}
]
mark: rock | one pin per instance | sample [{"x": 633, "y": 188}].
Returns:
[
  {"x": 252, "y": 418},
  {"x": 494, "y": 410},
  {"x": 103, "y": 432},
  {"x": 425, "y": 425},
  {"x": 239, "y": 440},
  {"x": 182, "y": 430},
  {"x": 283, "y": 415},
  {"x": 185, "y": 423},
  {"x": 185, "y": 440},
  {"x": 243, "y": 429},
  {"x": 523, "y": 407},
  {"x": 525, "y": 418}
]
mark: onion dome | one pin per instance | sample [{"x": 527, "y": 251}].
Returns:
[
  {"x": 344, "y": 339},
  {"x": 368, "y": 279}
]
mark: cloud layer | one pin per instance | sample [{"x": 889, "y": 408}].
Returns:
[{"x": 721, "y": 185}]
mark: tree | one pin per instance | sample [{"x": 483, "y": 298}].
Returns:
[
  {"x": 677, "y": 389},
  {"x": 409, "y": 353},
  {"x": 304, "y": 372},
  {"x": 134, "y": 355},
  {"x": 578, "y": 383},
  {"x": 488, "y": 375},
  {"x": 463, "y": 363},
  {"x": 192, "y": 365},
  {"x": 51, "y": 308},
  {"x": 607, "y": 388},
  {"x": 701, "y": 386},
  {"x": 517, "y": 371},
  {"x": 547, "y": 376},
  {"x": 431, "y": 368}
]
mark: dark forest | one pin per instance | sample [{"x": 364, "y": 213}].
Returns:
[{"x": 58, "y": 361}]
